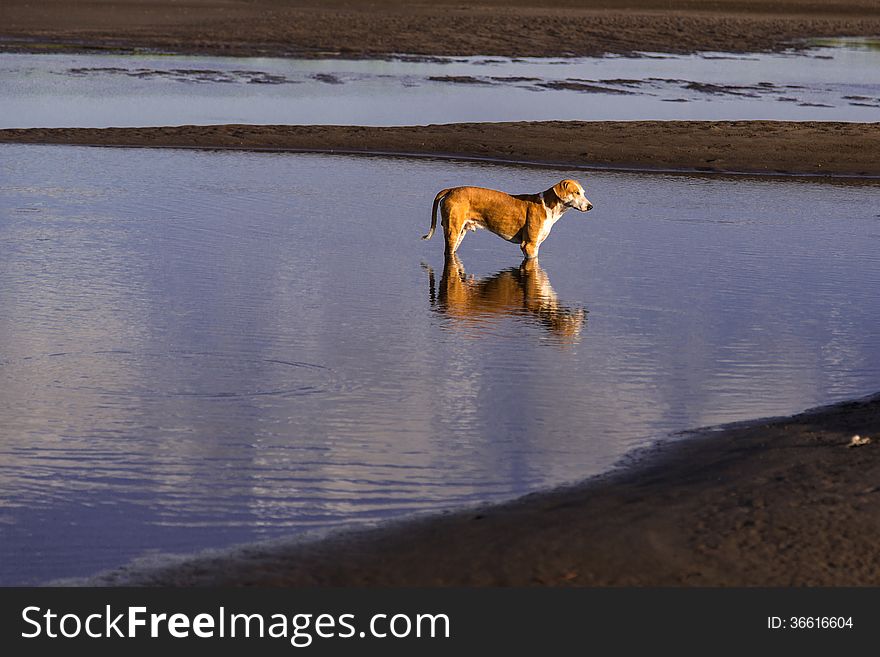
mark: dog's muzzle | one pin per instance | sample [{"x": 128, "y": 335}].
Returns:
[{"x": 582, "y": 205}]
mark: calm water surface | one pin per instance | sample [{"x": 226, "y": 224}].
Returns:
[
  {"x": 199, "y": 349},
  {"x": 836, "y": 82}
]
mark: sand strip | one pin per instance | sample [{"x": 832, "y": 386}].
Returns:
[
  {"x": 775, "y": 147},
  {"x": 322, "y": 28}
]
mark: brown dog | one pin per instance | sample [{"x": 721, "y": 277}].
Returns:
[{"x": 525, "y": 219}]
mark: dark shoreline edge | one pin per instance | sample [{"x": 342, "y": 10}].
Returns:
[
  {"x": 123, "y": 47},
  {"x": 776, "y": 148},
  {"x": 767, "y": 502},
  {"x": 684, "y": 171}
]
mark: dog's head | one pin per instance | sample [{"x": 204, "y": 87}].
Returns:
[{"x": 572, "y": 194}]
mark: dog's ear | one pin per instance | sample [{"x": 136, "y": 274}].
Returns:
[
  {"x": 570, "y": 186},
  {"x": 565, "y": 188}
]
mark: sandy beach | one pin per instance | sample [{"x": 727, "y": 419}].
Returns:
[
  {"x": 516, "y": 28},
  {"x": 770, "y": 503},
  {"x": 812, "y": 148}
]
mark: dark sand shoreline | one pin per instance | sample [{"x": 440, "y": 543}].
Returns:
[
  {"x": 773, "y": 502},
  {"x": 513, "y": 28},
  {"x": 750, "y": 147}
]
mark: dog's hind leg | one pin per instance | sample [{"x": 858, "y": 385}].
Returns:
[
  {"x": 453, "y": 231},
  {"x": 461, "y": 235}
]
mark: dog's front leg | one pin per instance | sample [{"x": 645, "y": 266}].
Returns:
[
  {"x": 531, "y": 237},
  {"x": 529, "y": 249}
]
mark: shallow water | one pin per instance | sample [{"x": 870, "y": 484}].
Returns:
[
  {"x": 199, "y": 349},
  {"x": 836, "y": 82}
]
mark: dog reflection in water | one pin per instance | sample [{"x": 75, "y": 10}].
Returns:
[{"x": 523, "y": 291}]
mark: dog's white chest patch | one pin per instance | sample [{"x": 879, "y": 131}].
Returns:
[{"x": 552, "y": 217}]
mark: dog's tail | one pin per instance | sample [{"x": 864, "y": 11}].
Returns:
[{"x": 437, "y": 199}]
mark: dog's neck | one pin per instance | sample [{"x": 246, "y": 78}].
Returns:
[{"x": 555, "y": 205}]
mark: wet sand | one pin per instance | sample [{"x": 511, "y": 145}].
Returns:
[
  {"x": 813, "y": 148},
  {"x": 775, "y": 147},
  {"x": 770, "y": 503},
  {"x": 442, "y": 27}
]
